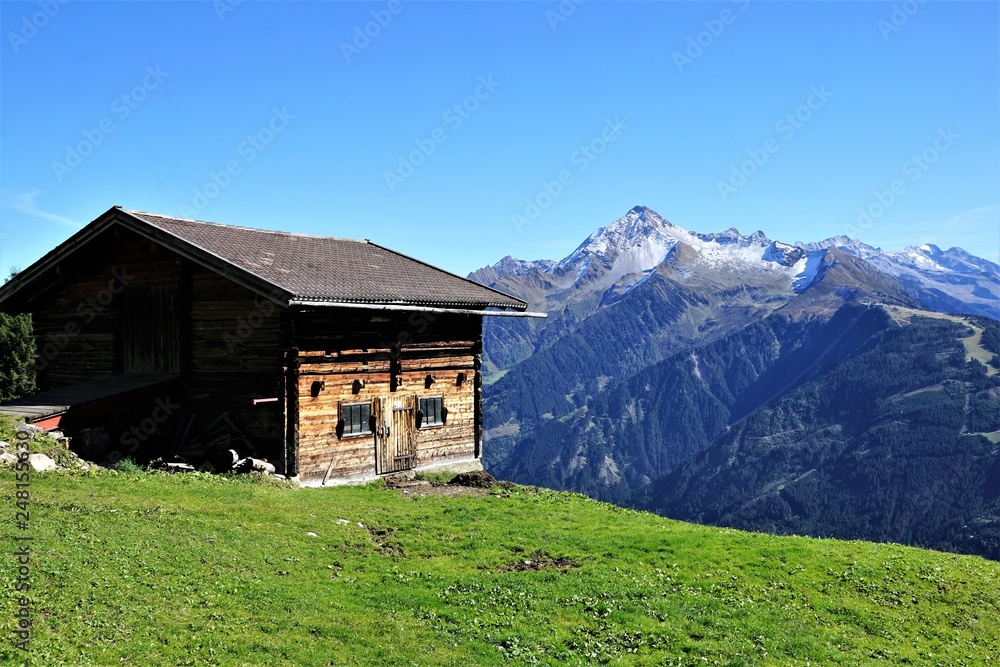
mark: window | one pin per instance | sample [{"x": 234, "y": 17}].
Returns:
[
  {"x": 431, "y": 411},
  {"x": 356, "y": 417}
]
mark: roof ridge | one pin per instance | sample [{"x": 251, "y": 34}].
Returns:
[{"x": 243, "y": 227}]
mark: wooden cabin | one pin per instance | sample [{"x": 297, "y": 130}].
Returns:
[{"x": 334, "y": 359}]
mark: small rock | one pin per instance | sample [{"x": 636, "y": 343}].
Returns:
[
  {"x": 250, "y": 464},
  {"x": 41, "y": 462},
  {"x": 4, "y": 446},
  {"x": 260, "y": 465},
  {"x": 312, "y": 534},
  {"x": 30, "y": 429},
  {"x": 7, "y": 458},
  {"x": 343, "y": 522}
]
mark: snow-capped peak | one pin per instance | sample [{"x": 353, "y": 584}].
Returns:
[
  {"x": 636, "y": 243},
  {"x": 949, "y": 280},
  {"x": 511, "y": 266},
  {"x": 641, "y": 240},
  {"x": 639, "y": 227}
]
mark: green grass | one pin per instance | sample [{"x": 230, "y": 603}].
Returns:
[
  {"x": 192, "y": 569},
  {"x": 128, "y": 466},
  {"x": 436, "y": 476}
]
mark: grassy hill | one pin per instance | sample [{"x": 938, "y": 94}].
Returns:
[{"x": 154, "y": 569}]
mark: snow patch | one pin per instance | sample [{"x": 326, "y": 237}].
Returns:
[{"x": 807, "y": 268}]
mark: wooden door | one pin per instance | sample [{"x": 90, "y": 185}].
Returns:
[
  {"x": 395, "y": 441},
  {"x": 148, "y": 334}
]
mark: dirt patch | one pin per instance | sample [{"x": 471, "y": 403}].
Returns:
[
  {"x": 540, "y": 560},
  {"x": 476, "y": 484},
  {"x": 446, "y": 490},
  {"x": 382, "y": 537},
  {"x": 478, "y": 479}
]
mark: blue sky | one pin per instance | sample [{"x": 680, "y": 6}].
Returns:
[{"x": 462, "y": 132}]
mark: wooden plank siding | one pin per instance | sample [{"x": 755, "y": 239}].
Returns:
[
  {"x": 223, "y": 338},
  {"x": 236, "y": 356},
  {"x": 363, "y": 357},
  {"x": 86, "y": 299}
]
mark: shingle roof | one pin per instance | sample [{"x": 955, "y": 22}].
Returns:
[{"x": 326, "y": 269}]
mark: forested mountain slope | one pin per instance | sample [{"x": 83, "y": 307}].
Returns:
[
  {"x": 661, "y": 343},
  {"x": 897, "y": 443}
]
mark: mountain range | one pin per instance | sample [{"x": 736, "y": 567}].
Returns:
[{"x": 669, "y": 356}]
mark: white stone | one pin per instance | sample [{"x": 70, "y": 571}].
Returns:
[{"x": 41, "y": 462}]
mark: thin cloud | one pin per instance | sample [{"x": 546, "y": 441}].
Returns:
[
  {"x": 973, "y": 216},
  {"x": 974, "y": 230},
  {"x": 25, "y": 203}
]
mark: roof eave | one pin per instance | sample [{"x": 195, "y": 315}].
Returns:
[
  {"x": 412, "y": 307},
  {"x": 51, "y": 260},
  {"x": 507, "y": 297}
]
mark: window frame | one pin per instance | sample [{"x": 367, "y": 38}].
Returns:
[
  {"x": 365, "y": 423},
  {"x": 422, "y": 402}
]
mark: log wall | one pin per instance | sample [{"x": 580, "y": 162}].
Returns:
[
  {"x": 76, "y": 317},
  {"x": 230, "y": 339},
  {"x": 337, "y": 350},
  {"x": 235, "y": 356}
]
